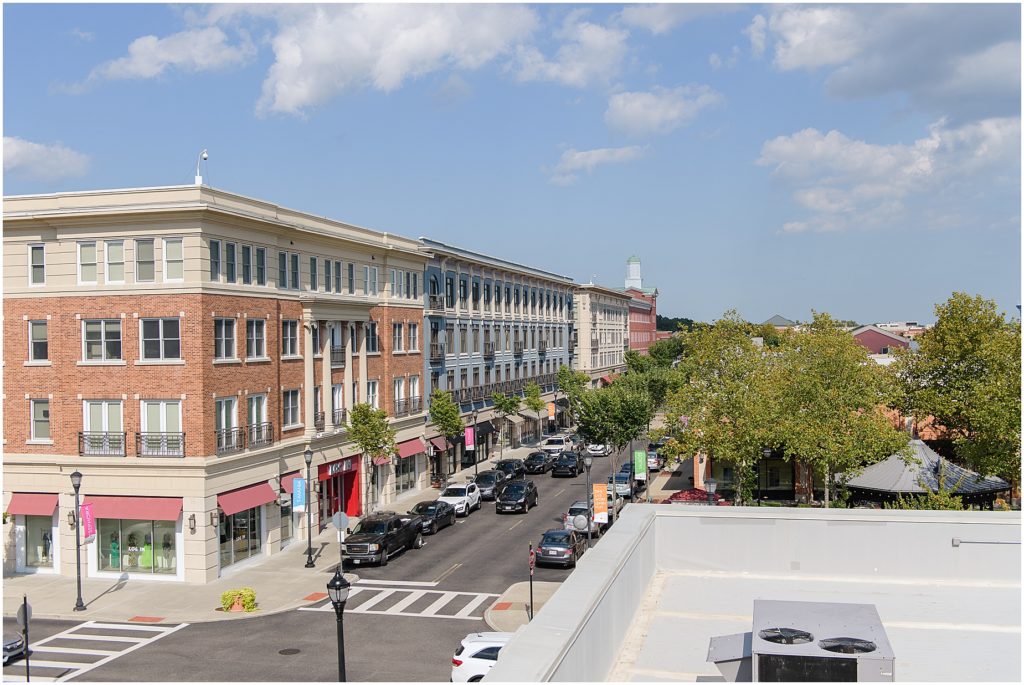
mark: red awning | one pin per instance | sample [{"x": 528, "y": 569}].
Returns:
[
  {"x": 286, "y": 481},
  {"x": 381, "y": 459},
  {"x": 409, "y": 448},
  {"x": 607, "y": 379},
  {"x": 438, "y": 444},
  {"x": 143, "y": 508},
  {"x": 32, "y": 504},
  {"x": 246, "y": 498}
]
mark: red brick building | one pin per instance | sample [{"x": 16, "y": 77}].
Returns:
[{"x": 643, "y": 308}]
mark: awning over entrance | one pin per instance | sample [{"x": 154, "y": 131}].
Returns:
[
  {"x": 409, "y": 448},
  {"x": 607, "y": 380},
  {"x": 143, "y": 508},
  {"x": 32, "y": 504},
  {"x": 438, "y": 444},
  {"x": 485, "y": 428},
  {"x": 287, "y": 481},
  {"x": 246, "y": 498},
  {"x": 515, "y": 418},
  {"x": 335, "y": 467},
  {"x": 530, "y": 415},
  {"x": 381, "y": 459}
]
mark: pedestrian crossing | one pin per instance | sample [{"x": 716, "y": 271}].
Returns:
[
  {"x": 405, "y": 601},
  {"x": 82, "y": 648}
]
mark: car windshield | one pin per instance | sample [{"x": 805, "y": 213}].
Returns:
[
  {"x": 567, "y": 459},
  {"x": 577, "y": 510},
  {"x": 555, "y": 539},
  {"x": 514, "y": 491},
  {"x": 425, "y": 508},
  {"x": 555, "y": 441},
  {"x": 454, "y": 492},
  {"x": 621, "y": 477},
  {"x": 371, "y": 528},
  {"x": 537, "y": 457},
  {"x": 485, "y": 479}
]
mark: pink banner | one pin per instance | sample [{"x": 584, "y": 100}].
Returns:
[
  {"x": 470, "y": 438},
  {"x": 88, "y": 522}
]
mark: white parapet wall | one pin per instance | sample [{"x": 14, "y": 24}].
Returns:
[{"x": 580, "y": 633}]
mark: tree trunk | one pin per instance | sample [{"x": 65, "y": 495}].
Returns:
[{"x": 827, "y": 483}]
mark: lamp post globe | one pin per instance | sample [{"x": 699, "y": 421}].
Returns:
[
  {"x": 308, "y": 456},
  {"x": 76, "y": 483},
  {"x": 338, "y": 590},
  {"x": 711, "y": 484}
]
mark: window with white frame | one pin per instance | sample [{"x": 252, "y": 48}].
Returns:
[
  {"x": 295, "y": 276},
  {"x": 396, "y": 337},
  {"x": 87, "y": 262},
  {"x": 261, "y": 266},
  {"x": 256, "y": 338},
  {"x": 101, "y": 340},
  {"x": 225, "y": 419},
  {"x": 414, "y": 386},
  {"x": 224, "y": 339},
  {"x": 40, "y": 419},
  {"x": 256, "y": 412},
  {"x": 351, "y": 278},
  {"x": 230, "y": 262},
  {"x": 289, "y": 338},
  {"x": 102, "y": 424},
  {"x": 373, "y": 282},
  {"x": 145, "y": 261},
  {"x": 314, "y": 273},
  {"x": 399, "y": 390},
  {"x": 371, "y": 394},
  {"x": 282, "y": 270},
  {"x": 337, "y": 277},
  {"x": 161, "y": 416},
  {"x": 290, "y": 408},
  {"x": 247, "y": 264},
  {"x": 113, "y": 252},
  {"x": 327, "y": 275},
  {"x": 215, "y": 260},
  {"x": 174, "y": 260},
  {"x": 36, "y": 265},
  {"x": 315, "y": 335},
  {"x": 38, "y": 342},
  {"x": 372, "y": 341},
  {"x": 161, "y": 338},
  {"x": 414, "y": 337}
]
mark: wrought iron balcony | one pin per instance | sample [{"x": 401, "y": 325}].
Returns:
[
  {"x": 338, "y": 356},
  {"x": 477, "y": 393},
  {"x": 517, "y": 348},
  {"x": 100, "y": 444},
  {"x": 435, "y": 303},
  {"x": 436, "y": 353},
  {"x": 340, "y": 417},
  {"x": 464, "y": 395},
  {"x": 318, "y": 422},
  {"x": 260, "y": 435},
  {"x": 406, "y": 406},
  {"x": 230, "y": 440},
  {"x": 415, "y": 404},
  {"x": 488, "y": 350},
  {"x": 160, "y": 444},
  {"x": 542, "y": 346}
]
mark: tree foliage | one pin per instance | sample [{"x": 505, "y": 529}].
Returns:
[
  {"x": 445, "y": 415},
  {"x": 664, "y": 352},
  {"x": 505, "y": 406},
  {"x": 668, "y": 323},
  {"x": 369, "y": 428},
  {"x": 967, "y": 375},
  {"x": 573, "y": 384},
  {"x": 533, "y": 400}
]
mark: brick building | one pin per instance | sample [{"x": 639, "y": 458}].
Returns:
[{"x": 643, "y": 308}]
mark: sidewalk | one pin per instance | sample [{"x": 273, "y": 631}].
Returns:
[
  {"x": 281, "y": 581},
  {"x": 509, "y": 612}
]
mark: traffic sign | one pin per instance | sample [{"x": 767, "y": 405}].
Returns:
[
  {"x": 24, "y": 614},
  {"x": 340, "y": 520}
]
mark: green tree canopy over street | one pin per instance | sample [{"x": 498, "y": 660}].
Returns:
[
  {"x": 505, "y": 406},
  {"x": 369, "y": 428},
  {"x": 573, "y": 384},
  {"x": 444, "y": 414}
]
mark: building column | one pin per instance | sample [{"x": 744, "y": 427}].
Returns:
[
  {"x": 327, "y": 397},
  {"x": 346, "y": 388},
  {"x": 309, "y": 383}
]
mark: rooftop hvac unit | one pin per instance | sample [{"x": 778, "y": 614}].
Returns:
[{"x": 807, "y": 642}]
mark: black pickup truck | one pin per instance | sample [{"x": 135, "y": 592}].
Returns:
[{"x": 381, "y": 535}]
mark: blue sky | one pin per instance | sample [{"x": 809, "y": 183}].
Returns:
[{"x": 860, "y": 160}]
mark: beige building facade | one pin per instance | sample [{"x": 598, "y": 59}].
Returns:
[{"x": 602, "y": 332}]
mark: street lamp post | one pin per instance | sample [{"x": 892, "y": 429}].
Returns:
[
  {"x": 711, "y": 484},
  {"x": 76, "y": 483},
  {"x": 588, "y": 461},
  {"x": 308, "y": 456},
  {"x": 765, "y": 453},
  {"x": 338, "y": 589}
]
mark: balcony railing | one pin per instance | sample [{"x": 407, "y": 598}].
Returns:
[
  {"x": 488, "y": 350},
  {"x": 260, "y": 435},
  {"x": 476, "y": 393},
  {"x": 517, "y": 349},
  {"x": 340, "y": 417},
  {"x": 318, "y": 422},
  {"x": 160, "y": 444},
  {"x": 407, "y": 405},
  {"x": 338, "y": 356},
  {"x": 436, "y": 353},
  {"x": 97, "y": 444},
  {"x": 542, "y": 347},
  {"x": 463, "y": 395},
  {"x": 230, "y": 440},
  {"x": 435, "y": 303}
]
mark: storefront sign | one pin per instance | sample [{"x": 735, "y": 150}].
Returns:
[
  {"x": 640, "y": 464},
  {"x": 600, "y": 503},
  {"x": 470, "y": 438},
  {"x": 88, "y": 524},
  {"x": 299, "y": 494},
  {"x": 334, "y": 468}
]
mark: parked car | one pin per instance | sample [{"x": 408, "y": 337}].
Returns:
[
  {"x": 560, "y": 547},
  {"x": 464, "y": 497},
  {"x": 436, "y": 515},
  {"x": 655, "y": 462},
  {"x": 614, "y": 505},
  {"x": 556, "y": 445},
  {"x": 538, "y": 462},
  {"x": 568, "y": 464},
  {"x": 491, "y": 483},
  {"x": 476, "y": 655},
  {"x": 380, "y": 535},
  {"x": 513, "y": 468},
  {"x": 14, "y": 646},
  {"x": 575, "y": 439},
  {"x": 595, "y": 450},
  {"x": 623, "y": 484},
  {"x": 519, "y": 495},
  {"x": 575, "y": 510}
]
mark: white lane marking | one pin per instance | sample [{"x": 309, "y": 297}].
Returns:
[
  {"x": 559, "y": 492},
  {"x": 167, "y": 631},
  {"x": 122, "y": 626},
  {"x": 407, "y": 602},
  {"x": 15, "y": 678},
  {"x": 106, "y": 638},
  {"x": 516, "y": 524},
  {"x": 451, "y": 569},
  {"x": 75, "y": 650},
  {"x": 381, "y": 596},
  {"x": 473, "y": 604},
  {"x": 416, "y": 583},
  {"x": 57, "y": 664},
  {"x": 461, "y": 618},
  {"x": 444, "y": 599}
]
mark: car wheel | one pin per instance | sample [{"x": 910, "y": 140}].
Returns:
[
  {"x": 476, "y": 679},
  {"x": 418, "y": 542},
  {"x": 526, "y": 507},
  {"x": 572, "y": 563},
  {"x": 384, "y": 557}
]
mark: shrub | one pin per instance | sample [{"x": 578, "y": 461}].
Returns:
[{"x": 247, "y": 595}]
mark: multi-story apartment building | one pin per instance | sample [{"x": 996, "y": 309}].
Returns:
[
  {"x": 492, "y": 326},
  {"x": 182, "y": 348},
  {"x": 602, "y": 332},
  {"x": 643, "y": 308}
]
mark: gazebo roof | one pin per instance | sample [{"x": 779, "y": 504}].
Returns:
[{"x": 894, "y": 476}]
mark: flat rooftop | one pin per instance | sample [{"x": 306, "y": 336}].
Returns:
[{"x": 645, "y": 602}]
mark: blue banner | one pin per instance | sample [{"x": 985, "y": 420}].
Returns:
[{"x": 299, "y": 494}]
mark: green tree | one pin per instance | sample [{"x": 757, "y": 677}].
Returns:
[
  {"x": 830, "y": 403},
  {"x": 573, "y": 384},
  {"x": 664, "y": 352},
  {"x": 966, "y": 374},
  {"x": 638, "y": 363},
  {"x": 534, "y": 403},
  {"x": 506, "y": 406},
  {"x": 445, "y": 416},
  {"x": 370, "y": 430}
]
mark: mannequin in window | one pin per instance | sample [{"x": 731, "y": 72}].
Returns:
[{"x": 115, "y": 551}]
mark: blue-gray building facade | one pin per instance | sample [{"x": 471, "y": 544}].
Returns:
[{"x": 492, "y": 326}]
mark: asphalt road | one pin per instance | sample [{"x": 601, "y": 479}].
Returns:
[{"x": 470, "y": 563}]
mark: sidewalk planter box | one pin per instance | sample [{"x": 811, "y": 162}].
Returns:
[{"x": 239, "y": 600}]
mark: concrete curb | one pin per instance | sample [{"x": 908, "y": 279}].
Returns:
[{"x": 515, "y": 599}]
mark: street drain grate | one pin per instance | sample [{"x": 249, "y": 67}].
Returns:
[{"x": 289, "y": 651}]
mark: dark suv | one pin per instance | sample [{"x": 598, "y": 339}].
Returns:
[
  {"x": 513, "y": 468},
  {"x": 539, "y": 462},
  {"x": 566, "y": 465},
  {"x": 519, "y": 495},
  {"x": 491, "y": 483},
  {"x": 378, "y": 536}
]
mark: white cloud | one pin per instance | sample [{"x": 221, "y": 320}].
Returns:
[
  {"x": 573, "y": 161},
  {"x": 756, "y": 32},
  {"x": 808, "y": 37},
  {"x": 846, "y": 184},
  {"x": 663, "y": 17},
  {"x": 83, "y": 35},
  {"x": 716, "y": 61},
  {"x": 660, "y": 111},
  {"x": 589, "y": 54},
  {"x": 322, "y": 51},
  {"x": 41, "y": 162}
]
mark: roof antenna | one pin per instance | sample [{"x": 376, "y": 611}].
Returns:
[{"x": 203, "y": 156}]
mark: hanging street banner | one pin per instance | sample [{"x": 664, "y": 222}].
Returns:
[
  {"x": 640, "y": 464},
  {"x": 299, "y": 494},
  {"x": 88, "y": 524},
  {"x": 600, "y": 503},
  {"x": 470, "y": 438},
  {"x": 551, "y": 410}
]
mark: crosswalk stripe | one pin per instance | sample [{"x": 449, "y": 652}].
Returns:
[
  {"x": 407, "y": 602},
  {"x": 381, "y": 596},
  {"x": 473, "y": 604},
  {"x": 165, "y": 632},
  {"x": 75, "y": 650},
  {"x": 122, "y": 626},
  {"x": 444, "y": 599},
  {"x": 417, "y": 583},
  {"x": 105, "y": 638},
  {"x": 20, "y": 678},
  {"x": 40, "y": 663}
]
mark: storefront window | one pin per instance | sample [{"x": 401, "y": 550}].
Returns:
[
  {"x": 39, "y": 541},
  {"x": 136, "y": 546},
  {"x": 287, "y": 523},
  {"x": 240, "y": 536},
  {"x": 405, "y": 474}
]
